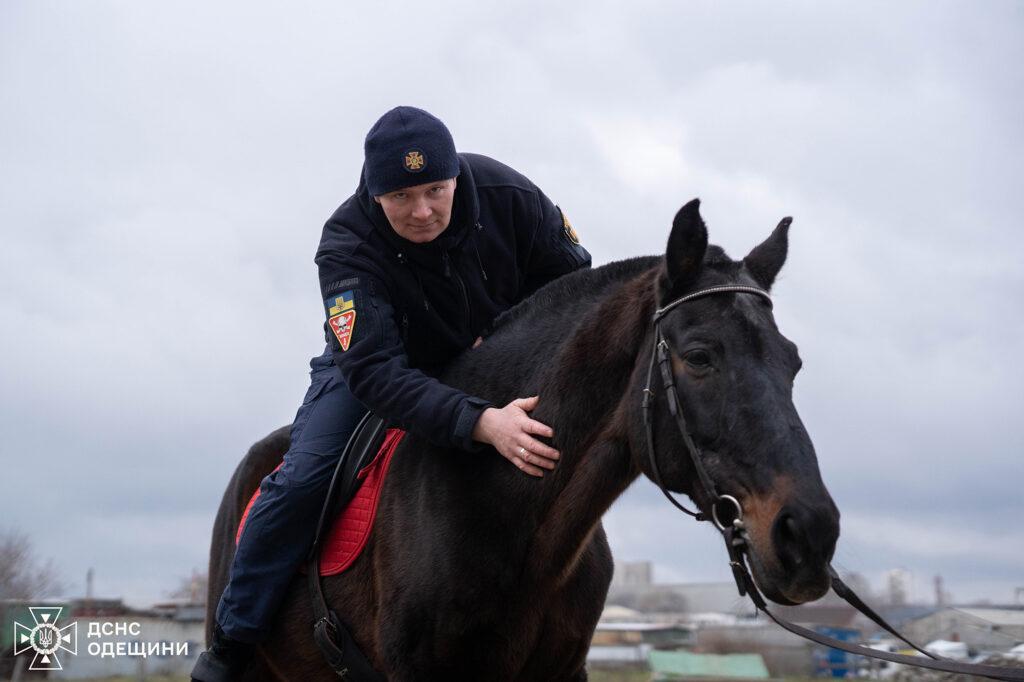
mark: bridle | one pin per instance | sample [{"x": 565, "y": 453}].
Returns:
[
  {"x": 734, "y": 531},
  {"x": 661, "y": 356}
]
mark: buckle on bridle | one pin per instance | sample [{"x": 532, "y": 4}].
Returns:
[
  {"x": 327, "y": 625},
  {"x": 648, "y": 396}
]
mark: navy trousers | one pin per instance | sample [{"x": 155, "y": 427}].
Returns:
[{"x": 279, "y": 530}]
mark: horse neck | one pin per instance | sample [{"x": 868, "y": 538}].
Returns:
[
  {"x": 575, "y": 344},
  {"x": 584, "y": 395}
]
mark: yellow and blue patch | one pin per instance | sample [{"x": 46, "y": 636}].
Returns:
[{"x": 339, "y": 303}]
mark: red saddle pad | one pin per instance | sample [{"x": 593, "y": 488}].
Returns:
[{"x": 351, "y": 528}]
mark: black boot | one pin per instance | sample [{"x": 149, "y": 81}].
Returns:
[{"x": 224, "y": 661}]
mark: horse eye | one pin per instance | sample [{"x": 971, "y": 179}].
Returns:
[{"x": 699, "y": 359}]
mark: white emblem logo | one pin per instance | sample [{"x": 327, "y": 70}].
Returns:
[{"x": 45, "y": 638}]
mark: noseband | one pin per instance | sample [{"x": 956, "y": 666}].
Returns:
[{"x": 734, "y": 531}]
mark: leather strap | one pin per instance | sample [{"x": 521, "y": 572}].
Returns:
[
  {"x": 735, "y": 540},
  {"x": 329, "y": 632},
  {"x": 333, "y": 638},
  {"x": 945, "y": 665},
  {"x": 851, "y": 598}
]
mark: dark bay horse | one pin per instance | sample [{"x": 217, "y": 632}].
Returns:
[{"x": 475, "y": 571}]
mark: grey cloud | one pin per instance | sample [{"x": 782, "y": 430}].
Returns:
[{"x": 167, "y": 170}]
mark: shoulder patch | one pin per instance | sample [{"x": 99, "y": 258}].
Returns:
[
  {"x": 341, "y": 316},
  {"x": 567, "y": 228},
  {"x": 339, "y": 303}
]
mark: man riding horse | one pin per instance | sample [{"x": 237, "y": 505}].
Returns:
[{"x": 413, "y": 269}]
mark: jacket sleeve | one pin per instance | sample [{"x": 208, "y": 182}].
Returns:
[
  {"x": 556, "y": 248},
  {"x": 368, "y": 350}
]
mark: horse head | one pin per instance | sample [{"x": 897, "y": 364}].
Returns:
[{"x": 733, "y": 372}]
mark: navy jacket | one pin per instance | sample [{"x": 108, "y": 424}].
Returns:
[{"x": 399, "y": 311}]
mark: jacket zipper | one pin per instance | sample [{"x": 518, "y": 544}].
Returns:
[
  {"x": 476, "y": 248},
  {"x": 451, "y": 269}
]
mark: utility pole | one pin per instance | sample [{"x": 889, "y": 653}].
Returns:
[{"x": 88, "y": 589}]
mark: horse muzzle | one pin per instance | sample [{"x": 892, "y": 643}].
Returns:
[{"x": 790, "y": 550}]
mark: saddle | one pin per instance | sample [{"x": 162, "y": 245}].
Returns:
[
  {"x": 351, "y": 501},
  {"x": 350, "y": 505}
]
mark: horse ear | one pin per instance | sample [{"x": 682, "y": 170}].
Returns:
[
  {"x": 765, "y": 261},
  {"x": 686, "y": 246}
]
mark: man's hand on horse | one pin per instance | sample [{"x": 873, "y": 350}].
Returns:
[{"x": 510, "y": 430}]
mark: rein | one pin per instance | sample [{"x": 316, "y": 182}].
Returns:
[{"x": 734, "y": 532}]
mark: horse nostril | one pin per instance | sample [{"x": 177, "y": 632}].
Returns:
[
  {"x": 790, "y": 544},
  {"x": 792, "y": 531}
]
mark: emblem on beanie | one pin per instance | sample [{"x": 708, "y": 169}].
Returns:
[{"x": 415, "y": 161}]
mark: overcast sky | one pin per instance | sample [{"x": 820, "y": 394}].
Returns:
[{"x": 165, "y": 170}]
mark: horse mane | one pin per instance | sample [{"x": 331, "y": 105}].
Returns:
[
  {"x": 533, "y": 330},
  {"x": 580, "y": 285},
  {"x": 589, "y": 283}
]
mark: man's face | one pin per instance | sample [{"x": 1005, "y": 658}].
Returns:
[{"x": 421, "y": 212}]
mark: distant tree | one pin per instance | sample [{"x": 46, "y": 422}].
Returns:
[
  {"x": 192, "y": 588},
  {"x": 22, "y": 575}
]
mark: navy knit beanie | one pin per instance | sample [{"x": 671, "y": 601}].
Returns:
[{"x": 406, "y": 147}]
